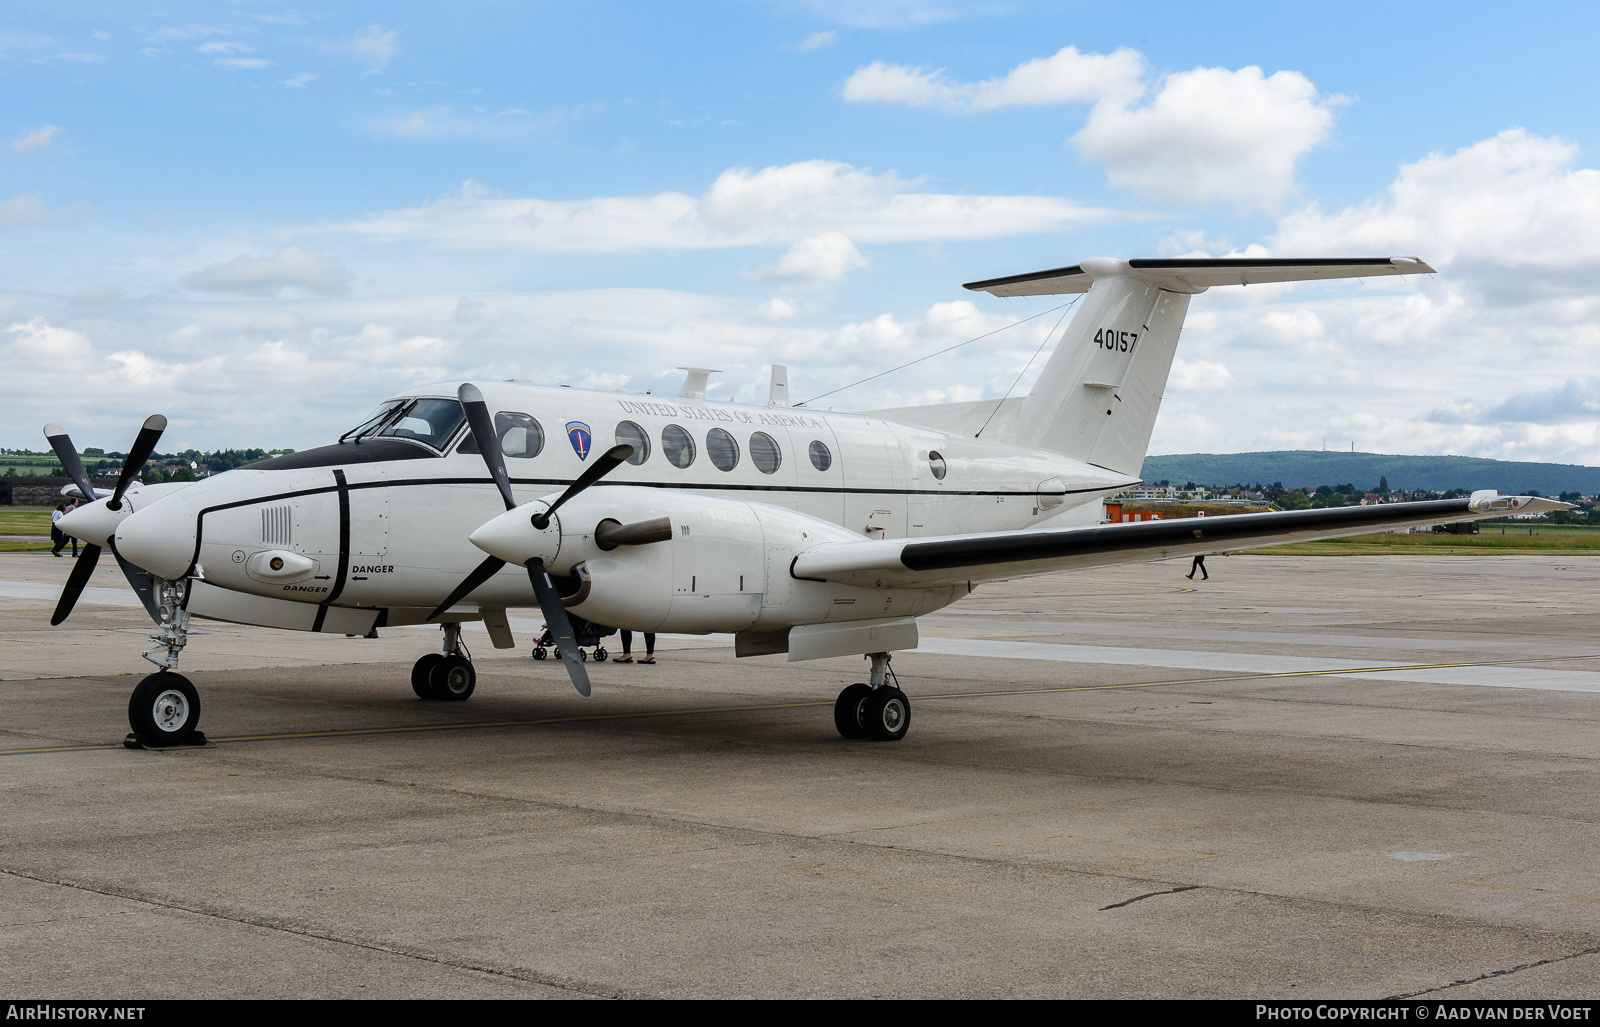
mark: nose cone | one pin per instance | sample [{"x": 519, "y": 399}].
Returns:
[
  {"x": 160, "y": 538},
  {"x": 513, "y": 538},
  {"x": 93, "y": 522}
]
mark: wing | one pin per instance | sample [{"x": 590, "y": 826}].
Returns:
[
  {"x": 1206, "y": 273},
  {"x": 1015, "y": 554}
]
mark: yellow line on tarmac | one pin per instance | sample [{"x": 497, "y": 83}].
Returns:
[{"x": 597, "y": 717}]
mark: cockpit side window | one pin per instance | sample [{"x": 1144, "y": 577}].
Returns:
[
  {"x": 433, "y": 421},
  {"x": 520, "y": 436},
  {"x": 373, "y": 421}
]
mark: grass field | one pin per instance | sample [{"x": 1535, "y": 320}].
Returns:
[
  {"x": 25, "y": 520},
  {"x": 1516, "y": 540}
]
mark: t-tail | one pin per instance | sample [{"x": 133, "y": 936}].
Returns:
[{"x": 1098, "y": 396}]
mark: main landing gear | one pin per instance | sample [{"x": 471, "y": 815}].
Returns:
[
  {"x": 879, "y": 711},
  {"x": 164, "y": 709},
  {"x": 446, "y": 675}
]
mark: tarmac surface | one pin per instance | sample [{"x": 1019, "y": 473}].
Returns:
[{"x": 1308, "y": 777}]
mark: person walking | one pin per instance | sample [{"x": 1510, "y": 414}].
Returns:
[
  {"x": 72, "y": 538},
  {"x": 627, "y": 648},
  {"x": 57, "y": 536},
  {"x": 1199, "y": 565}
]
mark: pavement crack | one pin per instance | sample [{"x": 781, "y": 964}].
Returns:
[
  {"x": 559, "y": 981},
  {"x": 1508, "y": 971},
  {"x": 1149, "y": 895}
]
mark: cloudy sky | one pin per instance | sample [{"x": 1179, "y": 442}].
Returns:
[{"x": 260, "y": 218}]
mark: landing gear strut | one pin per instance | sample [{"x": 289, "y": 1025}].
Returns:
[
  {"x": 164, "y": 709},
  {"x": 879, "y": 710},
  {"x": 446, "y": 675}
]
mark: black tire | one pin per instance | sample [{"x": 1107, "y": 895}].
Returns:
[
  {"x": 582, "y": 656},
  {"x": 600, "y": 654},
  {"x": 886, "y": 714},
  {"x": 847, "y": 710},
  {"x": 453, "y": 678},
  {"x": 164, "y": 709},
  {"x": 419, "y": 675},
  {"x": 539, "y": 653}
]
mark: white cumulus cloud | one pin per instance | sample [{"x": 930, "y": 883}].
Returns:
[
  {"x": 824, "y": 257},
  {"x": 37, "y": 139},
  {"x": 292, "y": 266},
  {"x": 1199, "y": 136},
  {"x": 1066, "y": 77},
  {"x": 773, "y": 206},
  {"x": 376, "y": 46}
]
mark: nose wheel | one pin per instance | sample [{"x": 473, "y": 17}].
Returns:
[{"x": 164, "y": 710}]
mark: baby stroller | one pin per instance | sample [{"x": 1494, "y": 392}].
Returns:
[{"x": 585, "y": 633}]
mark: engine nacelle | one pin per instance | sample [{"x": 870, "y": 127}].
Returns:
[{"x": 726, "y": 566}]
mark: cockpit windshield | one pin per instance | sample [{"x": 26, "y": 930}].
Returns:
[
  {"x": 433, "y": 421},
  {"x": 373, "y": 421}
]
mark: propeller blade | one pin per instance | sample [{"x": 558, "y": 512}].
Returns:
[
  {"x": 140, "y": 581},
  {"x": 143, "y": 446},
  {"x": 560, "y": 625},
  {"x": 68, "y": 455},
  {"x": 81, "y": 569},
  {"x": 609, "y": 461},
  {"x": 477, "y": 412},
  {"x": 483, "y": 572}
]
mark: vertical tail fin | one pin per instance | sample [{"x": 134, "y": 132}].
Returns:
[{"x": 1098, "y": 395}]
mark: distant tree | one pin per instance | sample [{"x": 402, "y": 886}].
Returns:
[
  {"x": 1188, "y": 486},
  {"x": 1383, "y": 485},
  {"x": 1571, "y": 497},
  {"x": 1292, "y": 499}
]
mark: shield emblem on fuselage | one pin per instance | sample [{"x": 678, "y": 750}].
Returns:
[{"x": 578, "y": 435}]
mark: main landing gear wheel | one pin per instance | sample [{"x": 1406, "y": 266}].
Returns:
[
  {"x": 847, "y": 710},
  {"x": 419, "y": 675},
  {"x": 164, "y": 710},
  {"x": 886, "y": 714},
  {"x": 452, "y": 678}
]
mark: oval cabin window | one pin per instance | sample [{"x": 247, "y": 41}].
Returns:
[
  {"x": 630, "y": 434},
  {"x": 764, "y": 452},
  {"x": 936, "y": 465},
  {"x": 821, "y": 458},
  {"x": 678, "y": 445},
  {"x": 722, "y": 449}
]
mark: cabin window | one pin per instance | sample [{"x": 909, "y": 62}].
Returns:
[
  {"x": 678, "y": 445},
  {"x": 821, "y": 458},
  {"x": 630, "y": 434},
  {"x": 722, "y": 449},
  {"x": 764, "y": 452},
  {"x": 937, "y": 466},
  {"x": 433, "y": 421},
  {"x": 520, "y": 436}
]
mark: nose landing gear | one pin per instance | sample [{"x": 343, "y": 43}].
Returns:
[
  {"x": 447, "y": 675},
  {"x": 164, "y": 709},
  {"x": 879, "y": 711}
]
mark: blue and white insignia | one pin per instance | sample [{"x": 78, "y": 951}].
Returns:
[{"x": 578, "y": 435}]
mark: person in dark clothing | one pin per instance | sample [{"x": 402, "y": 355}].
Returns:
[
  {"x": 1199, "y": 565},
  {"x": 627, "y": 648},
  {"x": 57, "y": 536}
]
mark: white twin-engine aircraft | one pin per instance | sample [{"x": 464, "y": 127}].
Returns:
[{"x": 800, "y": 532}]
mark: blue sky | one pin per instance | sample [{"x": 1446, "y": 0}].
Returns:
[{"x": 259, "y": 218}]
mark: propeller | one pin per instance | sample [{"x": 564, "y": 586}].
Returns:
[
  {"x": 83, "y": 569},
  {"x": 555, "y": 614}
]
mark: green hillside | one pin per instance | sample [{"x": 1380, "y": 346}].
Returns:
[{"x": 1296, "y": 467}]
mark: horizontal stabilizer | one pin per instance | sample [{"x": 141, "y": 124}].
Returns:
[
  {"x": 1199, "y": 274},
  {"x": 990, "y": 556}
]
